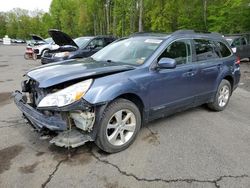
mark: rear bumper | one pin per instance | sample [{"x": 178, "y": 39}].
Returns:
[{"x": 38, "y": 119}]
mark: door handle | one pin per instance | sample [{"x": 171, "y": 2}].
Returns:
[{"x": 189, "y": 73}]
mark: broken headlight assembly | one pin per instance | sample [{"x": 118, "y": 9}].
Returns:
[{"x": 66, "y": 96}]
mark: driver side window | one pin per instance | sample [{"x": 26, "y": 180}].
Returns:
[{"x": 178, "y": 50}]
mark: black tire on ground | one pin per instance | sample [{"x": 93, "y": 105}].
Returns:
[
  {"x": 43, "y": 52},
  {"x": 215, "y": 104},
  {"x": 102, "y": 136}
]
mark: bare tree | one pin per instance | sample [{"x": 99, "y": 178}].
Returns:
[
  {"x": 140, "y": 16},
  {"x": 205, "y": 13},
  {"x": 107, "y": 5}
]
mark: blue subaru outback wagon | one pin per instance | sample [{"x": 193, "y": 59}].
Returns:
[{"x": 107, "y": 97}]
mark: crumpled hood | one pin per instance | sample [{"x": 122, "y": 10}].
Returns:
[{"x": 56, "y": 73}]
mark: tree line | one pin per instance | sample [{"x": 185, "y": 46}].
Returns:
[{"x": 123, "y": 17}]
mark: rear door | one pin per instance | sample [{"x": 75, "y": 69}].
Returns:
[{"x": 209, "y": 67}]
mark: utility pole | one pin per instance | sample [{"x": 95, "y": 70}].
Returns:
[{"x": 140, "y": 15}]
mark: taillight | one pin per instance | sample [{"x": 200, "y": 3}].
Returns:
[{"x": 237, "y": 62}]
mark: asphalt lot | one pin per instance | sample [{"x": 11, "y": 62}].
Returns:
[{"x": 195, "y": 148}]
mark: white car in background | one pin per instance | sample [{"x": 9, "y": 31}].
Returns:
[{"x": 42, "y": 45}]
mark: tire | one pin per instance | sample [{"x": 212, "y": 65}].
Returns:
[
  {"x": 34, "y": 56},
  {"x": 222, "y": 96},
  {"x": 113, "y": 136},
  {"x": 44, "y": 51},
  {"x": 26, "y": 56}
]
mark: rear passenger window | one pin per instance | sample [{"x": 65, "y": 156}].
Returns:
[
  {"x": 205, "y": 50},
  {"x": 225, "y": 52},
  {"x": 178, "y": 50}
]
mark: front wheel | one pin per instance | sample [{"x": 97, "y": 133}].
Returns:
[
  {"x": 222, "y": 96},
  {"x": 120, "y": 123}
]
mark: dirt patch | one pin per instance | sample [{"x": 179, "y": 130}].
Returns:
[
  {"x": 74, "y": 156},
  {"x": 7, "y": 154},
  {"x": 4, "y": 65},
  {"x": 28, "y": 169},
  {"x": 40, "y": 153},
  {"x": 58, "y": 152},
  {"x": 108, "y": 184},
  {"x": 5, "y": 98},
  {"x": 80, "y": 159},
  {"x": 152, "y": 138}
]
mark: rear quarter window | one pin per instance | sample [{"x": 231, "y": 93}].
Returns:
[
  {"x": 225, "y": 52},
  {"x": 205, "y": 50}
]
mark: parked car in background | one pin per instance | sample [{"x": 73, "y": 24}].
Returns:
[
  {"x": 18, "y": 41},
  {"x": 240, "y": 45},
  {"x": 107, "y": 97},
  {"x": 74, "y": 48},
  {"x": 41, "y": 45}
]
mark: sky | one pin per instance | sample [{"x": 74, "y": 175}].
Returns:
[{"x": 6, "y": 5}]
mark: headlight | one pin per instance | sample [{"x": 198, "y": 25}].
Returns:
[
  {"x": 62, "y": 54},
  {"x": 66, "y": 96}
]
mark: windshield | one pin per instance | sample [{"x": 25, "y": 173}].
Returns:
[
  {"x": 82, "y": 41},
  {"x": 129, "y": 51}
]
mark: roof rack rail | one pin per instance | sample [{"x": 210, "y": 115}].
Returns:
[
  {"x": 196, "y": 32},
  {"x": 148, "y": 33}
]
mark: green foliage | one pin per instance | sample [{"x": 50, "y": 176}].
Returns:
[{"x": 121, "y": 17}]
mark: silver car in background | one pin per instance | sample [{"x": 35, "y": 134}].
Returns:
[{"x": 43, "y": 45}]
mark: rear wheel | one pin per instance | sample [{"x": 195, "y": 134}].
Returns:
[
  {"x": 222, "y": 96},
  {"x": 120, "y": 123}
]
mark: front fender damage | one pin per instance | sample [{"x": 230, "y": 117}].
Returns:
[{"x": 74, "y": 124}]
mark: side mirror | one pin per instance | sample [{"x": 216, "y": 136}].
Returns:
[{"x": 167, "y": 63}]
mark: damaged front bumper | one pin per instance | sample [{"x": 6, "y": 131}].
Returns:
[{"x": 68, "y": 135}]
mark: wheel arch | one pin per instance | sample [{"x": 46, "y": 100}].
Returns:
[
  {"x": 231, "y": 81},
  {"x": 135, "y": 99}
]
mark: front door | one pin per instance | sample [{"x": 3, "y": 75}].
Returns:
[{"x": 171, "y": 89}]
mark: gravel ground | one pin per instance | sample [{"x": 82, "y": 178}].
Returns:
[{"x": 195, "y": 148}]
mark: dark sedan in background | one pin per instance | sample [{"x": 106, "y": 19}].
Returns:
[
  {"x": 74, "y": 48},
  {"x": 240, "y": 44}
]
